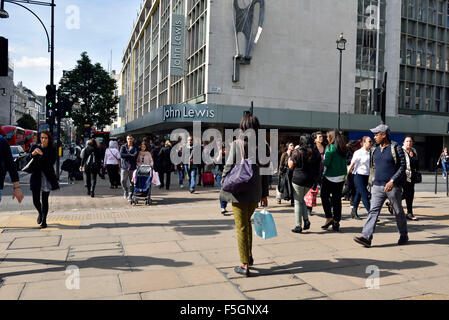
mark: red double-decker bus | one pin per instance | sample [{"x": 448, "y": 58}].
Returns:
[
  {"x": 101, "y": 136},
  {"x": 14, "y": 135},
  {"x": 29, "y": 134}
]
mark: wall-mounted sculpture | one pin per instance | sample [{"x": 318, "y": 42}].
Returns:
[{"x": 251, "y": 27}]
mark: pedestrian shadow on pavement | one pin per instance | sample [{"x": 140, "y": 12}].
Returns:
[
  {"x": 117, "y": 263},
  {"x": 187, "y": 227},
  {"x": 444, "y": 240},
  {"x": 202, "y": 227},
  {"x": 346, "y": 267}
]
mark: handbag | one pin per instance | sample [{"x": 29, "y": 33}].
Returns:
[
  {"x": 29, "y": 166},
  {"x": 310, "y": 197},
  {"x": 264, "y": 225},
  {"x": 241, "y": 178},
  {"x": 417, "y": 177}
]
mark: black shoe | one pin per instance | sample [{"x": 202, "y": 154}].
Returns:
[
  {"x": 297, "y": 229},
  {"x": 92, "y": 194},
  {"x": 410, "y": 216},
  {"x": 402, "y": 240},
  {"x": 251, "y": 261},
  {"x": 241, "y": 270},
  {"x": 44, "y": 224},
  {"x": 354, "y": 215},
  {"x": 363, "y": 241},
  {"x": 327, "y": 225},
  {"x": 39, "y": 218},
  {"x": 336, "y": 226},
  {"x": 390, "y": 207},
  {"x": 88, "y": 192},
  {"x": 307, "y": 225}
]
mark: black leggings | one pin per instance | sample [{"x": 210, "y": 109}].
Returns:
[
  {"x": 42, "y": 208},
  {"x": 408, "y": 193},
  {"x": 331, "y": 198}
]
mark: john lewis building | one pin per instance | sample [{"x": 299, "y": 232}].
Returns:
[{"x": 208, "y": 59}]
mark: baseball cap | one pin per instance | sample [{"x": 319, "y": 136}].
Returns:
[{"x": 381, "y": 128}]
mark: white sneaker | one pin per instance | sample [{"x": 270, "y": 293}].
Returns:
[
  {"x": 223, "y": 210},
  {"x": 181, "y": 186}
]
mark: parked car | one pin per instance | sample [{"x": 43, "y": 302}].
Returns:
[{"x": 20, "y": 156}]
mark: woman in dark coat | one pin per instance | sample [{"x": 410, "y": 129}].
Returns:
[
  {"x": 43, "y": 178},
  {"x": 91, "y": 164},
  {"x": 165, "y": 165}
]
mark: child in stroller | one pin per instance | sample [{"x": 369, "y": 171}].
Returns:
[{"x": 142, "y": 184}]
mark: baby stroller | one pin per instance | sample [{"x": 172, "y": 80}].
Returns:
[{"x": 142, "y": 185}]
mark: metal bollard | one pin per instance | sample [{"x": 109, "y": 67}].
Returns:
[
  {"x": 436, "y": 180},
  {"x": 447, "y": 187}
]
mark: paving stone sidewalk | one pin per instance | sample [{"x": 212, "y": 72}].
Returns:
[{"x": 181, "y": 247}]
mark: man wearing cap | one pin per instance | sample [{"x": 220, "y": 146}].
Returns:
[{"x": 387, "y": 173}]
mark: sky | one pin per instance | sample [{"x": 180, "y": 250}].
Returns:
[{"x": 94, "y": 26}]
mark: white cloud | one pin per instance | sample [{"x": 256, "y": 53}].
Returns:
[
  {"x": 37, "y": 62},
  {"x": 12, "y": 49}
]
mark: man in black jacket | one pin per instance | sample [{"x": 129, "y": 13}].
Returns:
[
  {"x": 387, "y": 173},
  {"x": 7, "y": 165},
  {"x": 128, "y": 154}
]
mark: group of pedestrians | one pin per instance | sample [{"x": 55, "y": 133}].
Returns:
[{"x": 380, "y": 172}]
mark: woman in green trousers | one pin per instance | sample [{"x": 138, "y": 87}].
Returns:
[{"x": 244, "y": 203}]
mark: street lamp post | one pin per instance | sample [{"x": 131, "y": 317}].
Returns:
[
  {"x": 51, "y": 46},
  {"x": 341, "y": 45}
]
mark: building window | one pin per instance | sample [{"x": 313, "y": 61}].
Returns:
[{"x": 196, "y": 35}]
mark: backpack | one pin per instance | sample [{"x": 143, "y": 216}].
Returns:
[
  {"x": 372, "y": 167},
  {"x": 91, "y": 162}
]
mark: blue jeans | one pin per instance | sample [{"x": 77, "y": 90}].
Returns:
[
  {"x": 223, "y": 204},
  {"x": 361, "y": 182},
  {"x": 191, "y": 173},
  {"x": 445, "y": 168},
  {"x": 1, "y": 194},
  {"x": 181, "y": 176}
]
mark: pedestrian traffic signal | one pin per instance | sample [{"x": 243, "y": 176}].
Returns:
[
  {"x": 50, "y": 97},
  {"x": 64, "y": 109}
]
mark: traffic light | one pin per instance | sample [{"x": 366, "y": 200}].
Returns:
[
  {"x": 50, "y": 97},
  {"x": 64, "y": 109},
  {"x": 3, "y": 57},
  {"x": 377, "y": 99}
]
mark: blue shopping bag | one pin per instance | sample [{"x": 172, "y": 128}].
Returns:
[{"x": 264, "y": 225}]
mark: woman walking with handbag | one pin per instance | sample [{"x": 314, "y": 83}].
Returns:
[
  {"x": 318, "y": 139},
  {"x": 220, "y": 161},
  {"x": 245, "y": 196},
  {"x": 112, "y": 164},
  {"x": 333, "y": 179},
  {"x": 43, "y": 178},
  {"x": 305, "y": 162},
  {"x": 444, "y": 159},
  {"x": 411, "y": 171}
]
